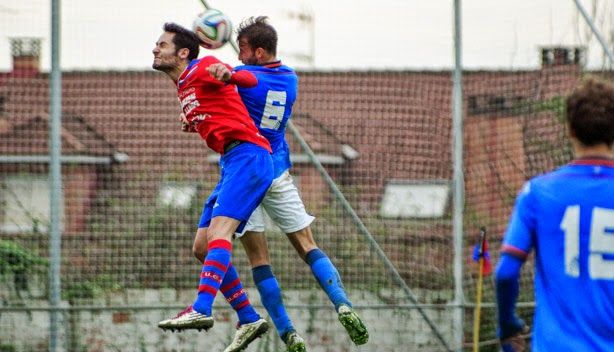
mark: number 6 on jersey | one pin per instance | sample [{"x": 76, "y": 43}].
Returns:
[{"x": 273, "y": 110}]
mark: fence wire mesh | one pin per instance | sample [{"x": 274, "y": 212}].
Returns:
[{"x": 134, "y": 184}]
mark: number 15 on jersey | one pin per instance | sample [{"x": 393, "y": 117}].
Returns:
[{"x": 600, "y": 243}]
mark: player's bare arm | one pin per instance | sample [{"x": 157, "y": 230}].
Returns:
[
  {"x": 186, "y": 126},
  {"x": 220, "y": 72},
  {"x": 513, "y": 344},
  {"x": 516, "y": 342},
  {"x": 224, "y": 73}
]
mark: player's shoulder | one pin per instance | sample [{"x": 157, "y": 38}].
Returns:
[
  {"x": 285, "y": 68},
  {"x": 563, "y": 176},
  {"x": 579, "y": 169},
  {"x": 541, "y": 181},
  {"x": 245, "y": 68},
  {"x": 200, "y": 64},
  {"x": 209, "y": 59},
  {"x": 548, "y": 177},
  {"x": 271, "y": 69}
]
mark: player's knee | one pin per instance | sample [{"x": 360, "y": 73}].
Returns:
[
  {"x": 258, "y": 259},
  {"x": 199, "y": 252},
  {"x": 303, "y": 241},
  {"x": 219, "y": 234},
  {"x": 199, "y": 246}
]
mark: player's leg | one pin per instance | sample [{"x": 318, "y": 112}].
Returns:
[
  {"x": 285, "y": 206},
  {"x": 256, "y": 248},
  {"x": 214, "y": 269},
  {"x": 246, "y": 175},
  {"x": 321, "y": 266},
  {"x": 216, "y": 263},
  {"x": 245, "y": 178},
  {"x": 328, "y": 277},
  {"x": 189, "y": 318},
  {"x": 270, "y": 292},
  {"x": 248, "y": 170},
  {"x": 199, "y": 246},
  {"x": 231, "y": 286},
  {"x": 250, "y": 324}
]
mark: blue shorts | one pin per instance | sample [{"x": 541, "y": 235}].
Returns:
[{"x": 246, "y": 175}]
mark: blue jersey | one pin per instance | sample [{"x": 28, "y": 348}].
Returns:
[
  {"x": 270, "y": 106},
  {"x": 567, "y": 216}
]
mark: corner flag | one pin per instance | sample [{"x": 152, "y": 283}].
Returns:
[{"x": 481, "y": 254}]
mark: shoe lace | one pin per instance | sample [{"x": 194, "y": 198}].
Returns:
[
  {"x": 239, "y": 325},
  {"x": 185, "y": 311},
  {"x": 291, "y": 338}
]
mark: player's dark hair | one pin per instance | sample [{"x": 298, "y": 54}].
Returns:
[
  {"x": 259, "y": 34},
  {"x": 183, "y": 38},
  {"x": 590, "y": 112}
]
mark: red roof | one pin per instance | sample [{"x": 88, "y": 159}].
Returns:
[{"x": 399, "y": 122}]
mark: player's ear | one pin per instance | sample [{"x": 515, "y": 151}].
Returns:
[
  {"x": 183, "y": 53},
  {"x": 260, "y": 53}
]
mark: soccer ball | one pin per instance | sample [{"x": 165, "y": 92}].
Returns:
[{"x": 213, "y": 29}]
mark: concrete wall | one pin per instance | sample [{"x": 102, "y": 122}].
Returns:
[{"x": 123, "y": 330}]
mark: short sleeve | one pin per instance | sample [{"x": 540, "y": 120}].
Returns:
[{"x": 518, "y": 239}]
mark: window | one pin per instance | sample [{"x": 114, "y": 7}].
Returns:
[
  {"x": 24, "y": 204},
  {"x": 496, "y": 104},
  {"x": 177, "y": 195},
  {"x": 415, "y": 199}
]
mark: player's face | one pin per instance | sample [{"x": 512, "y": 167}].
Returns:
[
  {"x": 247, "y": 55},
  {"x": 165, "y": 53}
]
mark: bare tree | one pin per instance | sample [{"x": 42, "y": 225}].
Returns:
[{"x": 602, "y": 14}]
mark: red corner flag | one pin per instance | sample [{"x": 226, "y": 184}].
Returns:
[{"x": 481, "y": 251}]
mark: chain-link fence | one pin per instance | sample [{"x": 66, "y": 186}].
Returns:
[{"x": 134, "y": 184}]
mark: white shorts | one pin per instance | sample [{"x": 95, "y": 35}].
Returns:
[{"x": 283, "y": 204}]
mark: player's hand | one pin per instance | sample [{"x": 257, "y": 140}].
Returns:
[
  {"x": 517, "y": 342},
  {"x": 186, "y": 126},
  {"x": 220, "y": 72},
  {"x": 513, "y": 344}
]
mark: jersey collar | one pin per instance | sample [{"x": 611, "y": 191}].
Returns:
[
  {"x": 594, "y": 161},
  {"x": 186, "y": 72},
  {"x": 273, "y": 64}
]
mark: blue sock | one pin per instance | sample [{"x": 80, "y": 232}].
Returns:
[
  {"x": 270, "y": 295},
  {"x": 214, "y": 269},
  {"x": 328, "y": 277},
  {"x": 233, "y": 291}
]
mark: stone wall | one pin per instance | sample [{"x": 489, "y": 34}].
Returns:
[{"x": 112, "y": 329}]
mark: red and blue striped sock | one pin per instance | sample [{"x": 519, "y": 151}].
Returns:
[
  {"x": 214, "y": 269},
  {"x": 235, "y": 295}
]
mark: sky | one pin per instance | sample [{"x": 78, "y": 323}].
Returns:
[{"x": 342, "y": 35}]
